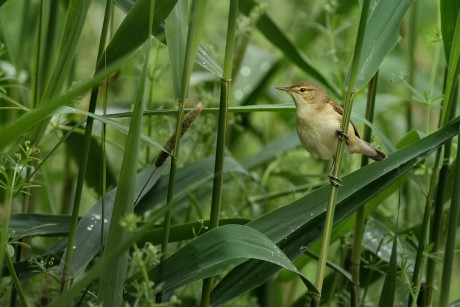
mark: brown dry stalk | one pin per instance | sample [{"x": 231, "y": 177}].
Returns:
[{"x": 169, "y": 146}]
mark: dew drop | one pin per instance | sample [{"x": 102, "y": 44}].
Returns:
[
  {"x": 245, "y": 71},
  {"x": 239, "y": 94}
]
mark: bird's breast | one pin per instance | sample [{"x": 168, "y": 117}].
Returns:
[{"x": 317, "y": 130}]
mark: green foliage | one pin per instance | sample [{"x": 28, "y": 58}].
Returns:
[{"x": 261, "y": 246}]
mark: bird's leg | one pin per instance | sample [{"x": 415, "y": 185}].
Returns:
[
  {"x": 333, "y": 179},
  {"x": 342, "y": 134}
]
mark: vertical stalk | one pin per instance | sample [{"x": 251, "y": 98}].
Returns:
[
  {"x": 451, "y": 236},
  {"x": 448, "y": 112},
  {"x": 412, "y": 41},
  {"x": 339, "y": 153},
  {"x": 196, "y": 26},
  {"x": 103, "y": 146},
  {"x": 154, "y": 60},
  {"x": 221, "y": 135},
  {"x": 84, "y": 157},
  {"x": 193, "y": 38},
  {"x": 112, "y": 279},
  {"x": 15, "y": 279},
  {"x": 420, "y": 257},
  {"x": 34, "y": 96},
  {"x": 360, "y": 214},
  {"x": 437, "y": 223}
]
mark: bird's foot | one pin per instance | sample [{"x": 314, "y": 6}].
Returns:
[
  {"x": 336, "y": 181},
  {"x": 342, "y": 134}
]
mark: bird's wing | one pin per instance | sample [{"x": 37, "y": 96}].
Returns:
[{"x": 338, "y": 108}]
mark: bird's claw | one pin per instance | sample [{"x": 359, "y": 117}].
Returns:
[
  {"x": 335, "y": 180},
  {"x": 342, "y": 134}
]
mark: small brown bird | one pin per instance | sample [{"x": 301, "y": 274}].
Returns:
[{"x": 319, "y": 121}]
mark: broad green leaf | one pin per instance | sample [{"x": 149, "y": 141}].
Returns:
[
  {"x": 297, "y": 225},
  {"x": 152, "y": 190},
  {"x": 382, "y": 34},
  {"x": 188, "y": 178},
  {"x": 93, "y": 179},
  {"x": 176, "y": 29},
  {"x": 207, "y": 61},
  {"x": 134, "y": 31},
  {"x": 217, "y": 251},
  {"x": 88, "y": 234},
  {"x": 187, "y": 231},
  {"x": 449, "y": 11},
  {"x": 106, "y": 261},
  {"x": 273, "y": 34},
  {"x": 272, "y": 150},
  {"x": 30, "y": 224},
  {"x": 376, "y": 231}
]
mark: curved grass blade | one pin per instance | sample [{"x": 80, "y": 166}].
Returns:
[
  {"x": 32, "y": 224},
  {"x": 152, "y": 190},
  {"x": 112, "y": 279},
  {"x": 176, "y": 29},
  {"x": 146, "y": 140},
  {"x": 299, "y": 224},
  {"x": 88, "y": 237},
  {"x": 75, "y": 20},
  {"x": 32, "y": 118},
  {"x": 382, "y": 34},
  {"x": 216, "y": 251},
  {"x": 134, "y": 30}
]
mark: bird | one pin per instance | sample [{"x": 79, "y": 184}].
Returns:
[{"x": 319, "y": 124}]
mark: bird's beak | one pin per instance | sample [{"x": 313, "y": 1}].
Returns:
[{"x": 284, "y": 89}]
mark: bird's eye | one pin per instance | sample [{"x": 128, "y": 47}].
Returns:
[{"x": 302, "y": 89}]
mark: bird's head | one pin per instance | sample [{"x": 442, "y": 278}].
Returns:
[{"x": 306, "y": 92}]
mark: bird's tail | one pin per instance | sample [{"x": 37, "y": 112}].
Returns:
[{"x": 378, "y": 155}]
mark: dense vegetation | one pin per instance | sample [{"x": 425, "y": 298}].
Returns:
[{"x": 102, "y": 204}]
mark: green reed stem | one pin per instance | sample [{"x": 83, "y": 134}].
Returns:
[
  {"x": 339, "y": 153},
  {"x": 361, "y": 212},
  {"x": 16, "y": 282},
  {"x": 196, "y": 26},
  {"x": 112, "y": 279},
  {"x": 221, "y": 134},
  {"x": 452, "y": 225},
  {"x": 84, "y": 157},
  {"x": 448, "y": 112}
]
